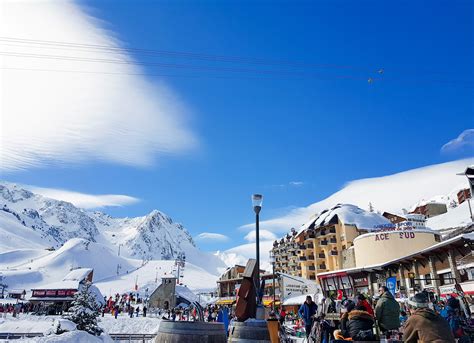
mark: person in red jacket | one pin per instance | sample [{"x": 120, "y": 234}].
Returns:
[{"x": 362, "y": 301}]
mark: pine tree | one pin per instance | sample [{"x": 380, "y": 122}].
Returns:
[{"x": 85, "y": 311}]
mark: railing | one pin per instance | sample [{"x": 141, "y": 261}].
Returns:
[
  {"x": 310, "y": 246},
  {"x": 311, "y": 257},
  {"x": 322, "y": 266},
  {"x": 321, "y": 256},
  {"x": 302, "y": 258},
  {"x": 325, "y": 242},
  {"x": 334, "y": 253},
  {"x": 116, "y": 337},
  {"x": 332, "y": 230},
  {"x": 333, "y": 240},
  {"x": 311, "y": 268}
]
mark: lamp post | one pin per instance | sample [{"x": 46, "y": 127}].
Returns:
[
  {"x": 272, "y": 261},
  {"x": 257, "y": 200},
  {"x": 469, "y": 173}
]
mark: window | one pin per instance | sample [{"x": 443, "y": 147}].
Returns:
[
  {"x": 428, "y": 279},
  {"x": 437, "y": 238}
]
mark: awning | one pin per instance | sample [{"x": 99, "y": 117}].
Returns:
[{"x": 225, "y": 302}]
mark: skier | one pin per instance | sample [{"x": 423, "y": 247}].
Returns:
[
  {"x": 144, "y": 311},
  {"x": 138, "y": 310}
]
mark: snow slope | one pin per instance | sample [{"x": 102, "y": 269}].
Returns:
[
  {"x": 391, "y": 193},
  {"x": 32, "y": 221}
]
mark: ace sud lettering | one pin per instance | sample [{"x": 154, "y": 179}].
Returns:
[{"x": 386, "y": 236}]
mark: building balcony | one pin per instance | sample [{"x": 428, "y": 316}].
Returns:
[
  {"x": 324, "y": 242},
  {"x": 333, "y": 240},
  {"x": 334, "y": 253},
  {"x": 298, "y": 268},
  {"x": 311, "y": 267},
  {"x": 332, "y": 230},
  {"x": 310, "y": 246},
  {"x": 312, "y": 277},
  {"x": 323, "y": 256},
  {"x": 310, "y": 257},
  {"x": 322, "y": 267},
  {"x": 302, "y": 258},
  {"x": 310, "y": 235},
  {"x": 302, "y": 246}
]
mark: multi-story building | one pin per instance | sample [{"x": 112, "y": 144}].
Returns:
[
  {"x": 285, "y": 252},
  {"x": 319, "y": 245},
  {"x": 430, "y": 209}
]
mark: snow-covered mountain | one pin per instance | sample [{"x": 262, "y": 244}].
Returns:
[{"x": 32, "y": 221}]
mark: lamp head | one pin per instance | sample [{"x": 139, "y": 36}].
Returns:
[{"x": 257, "y": 200}]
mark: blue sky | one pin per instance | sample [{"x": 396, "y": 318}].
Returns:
[{"x": 296, "y": 138}]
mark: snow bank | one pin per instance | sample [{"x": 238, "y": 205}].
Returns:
[
  {"x": 71, "y": 337},
  {"x": 124, "y": 324}
]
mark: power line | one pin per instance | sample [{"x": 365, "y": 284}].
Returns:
[
  {"x": 172, "y": 65},
  {"x": 191, "y": 55}
]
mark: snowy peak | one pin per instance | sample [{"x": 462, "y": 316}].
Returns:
[{"x": 29, "y": 220}]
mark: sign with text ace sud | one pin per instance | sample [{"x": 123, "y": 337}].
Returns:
[{"x": 386, "y": 236}]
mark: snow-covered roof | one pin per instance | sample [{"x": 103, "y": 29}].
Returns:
[
  {"x": 70, "y": 284},
  {"x": 78, "y": 274},
  {"x": 186, "y": 293},
  {"x": 349, "y": 215}
]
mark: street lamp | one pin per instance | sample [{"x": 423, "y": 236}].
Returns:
[
  {"x": 272, "y": 261},
  {"x": 257, "y": 200},
  {"x": 469, "y": 173}
]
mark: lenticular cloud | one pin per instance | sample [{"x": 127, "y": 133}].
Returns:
[{"x": 57, "y": 105}]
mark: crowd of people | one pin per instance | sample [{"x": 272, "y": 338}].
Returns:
[{"x": 383, "y": 317}]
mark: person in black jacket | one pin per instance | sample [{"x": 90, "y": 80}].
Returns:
[{"x": 359, "y": 325}]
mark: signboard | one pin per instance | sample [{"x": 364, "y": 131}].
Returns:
[
  {"x": 391, "y": 284},
  {"x": 292, "y": 286}
]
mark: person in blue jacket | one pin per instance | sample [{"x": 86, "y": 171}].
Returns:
[{"x": 307, "y": 312}]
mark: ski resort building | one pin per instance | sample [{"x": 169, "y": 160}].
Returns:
[
  {"x": 430, "y": 209},
  {"x": 320, "y": 244},
  {"x": 443, "y": 269},
  {"x": 169, "y": 295},
  {"x": 61, "y": 293}
]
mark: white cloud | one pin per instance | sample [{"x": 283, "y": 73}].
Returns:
[
  {"x": 296, "y": 183},
  {"x": 464, "y": 141},
  {"x": 210, "y": 236},
  {"x": 242, "y": 253},
  {"x": 83, "y": 200},
  {"x": 264, "y": 235},
  {"x": 83, "y": 111}
]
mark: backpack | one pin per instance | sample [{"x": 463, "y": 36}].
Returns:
[{"x": 455, "y": 324}]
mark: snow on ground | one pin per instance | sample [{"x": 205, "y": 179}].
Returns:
[
  {"x": 194, "y": 277},
  {"x": 44, "y": 324},
  {"x": 71, "y": 337},
  {"x": 455, "y": 217},
  {"x": 124, "y": 324},
  {"x": 33, "y": 268}
]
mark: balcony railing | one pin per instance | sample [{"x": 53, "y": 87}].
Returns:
[
  {"x": 324, "y": 242},
  {"x": 321, "y": 256},
  {"x": 310, "y": 246},
  {"x": 312, "y": 277},
  {"x": 310, "y": 235},
  {"x": 322, "y": 266},
  {"x": 302, "y": 258},
  {"x": 332, "y": 230},
  {"x": 333, "y": 240},
  {"x": 334, "y": 253},
  {"x": 312, "y": 267},
  {"x": 311, "y": 257}
]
